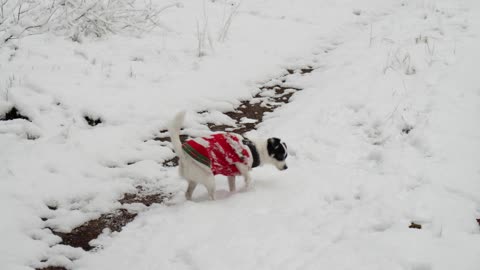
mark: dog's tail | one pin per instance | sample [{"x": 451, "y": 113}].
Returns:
[{"x": 174, "y": 130}]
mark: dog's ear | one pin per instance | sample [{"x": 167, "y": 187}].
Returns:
[
  {"x": 274, "y": 141},
  {"x": 276, "y": 149},
  {"x": 272, "y": 144}
]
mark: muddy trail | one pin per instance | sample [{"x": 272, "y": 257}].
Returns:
[{"x": 269, "y": 97}]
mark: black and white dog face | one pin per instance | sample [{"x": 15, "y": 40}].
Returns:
[{"x": 277, "y": 151}]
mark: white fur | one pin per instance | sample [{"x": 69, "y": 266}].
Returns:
[{"x": 197, "y": 173}]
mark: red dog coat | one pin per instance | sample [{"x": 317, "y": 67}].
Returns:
[{"x": 220, "y": 152}]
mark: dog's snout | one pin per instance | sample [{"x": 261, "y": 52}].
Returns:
[{"x": 285, "y": 167}]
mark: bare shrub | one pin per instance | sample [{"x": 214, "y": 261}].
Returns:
[
  {"x": 77, "y": 18},
  {"x": 401, "y": 61}
]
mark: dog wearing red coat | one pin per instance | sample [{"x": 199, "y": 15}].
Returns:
[{"x": 229, "y": 154}]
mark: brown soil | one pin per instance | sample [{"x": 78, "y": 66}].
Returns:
[
  {"x": 414, "y": 225},
  {"x": 256, "y": 108},
  {"x": 144, "y": 197},
  {"x": 81, "y": 236},
  {"x": 164, "y": 137},
  {"x": 52, "y": 268},
  {"x": 92, "y": 121},
  {"x": 173, "y": 162},
  {"x": 52, "y": 207},
  {"x": 12, "y": 115},
  {"x": 407, "y": 129}
]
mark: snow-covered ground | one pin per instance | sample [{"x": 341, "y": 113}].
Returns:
[{"x": 385, "y": 133}]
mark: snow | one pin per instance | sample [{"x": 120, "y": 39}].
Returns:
[{"x": 384, "y": 133}]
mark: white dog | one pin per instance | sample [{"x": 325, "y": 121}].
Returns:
[{"x": 229, "y": 154}]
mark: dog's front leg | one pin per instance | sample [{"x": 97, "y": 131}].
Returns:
[
  {"x": 244, "y": 170},
  {"x": 190, "y": 189},
  {"x": 231, "y": 183}
]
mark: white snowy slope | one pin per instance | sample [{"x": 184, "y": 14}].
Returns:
[{"x": 384, "y": 133}]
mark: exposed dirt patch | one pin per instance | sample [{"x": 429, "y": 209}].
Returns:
[
  {"x": 81, "y": 236},
  {"x": 52, "y": 207},
  {"x": 131, "y": 162},
  {"x": 145, "y": 197},
  {"x": 171, "y": 162},
  {"x": 302, "y": 71},
  {"x": 407, "y": 129},
  {"x": 414, "y": 225},
  {"x": 306, "y": 70},
  {"x": 165, "y": 137},
  {"x": 269, "y": 97},
  {"x": 251, "y": 112},
  {"x": 93, "y": 121},
  {"x": 52, "y": 268},
  {"x": 13, "y": 114}
]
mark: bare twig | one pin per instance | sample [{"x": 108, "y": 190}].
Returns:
[
  {"x": 85, "y": 12},
  {"x": 19, "y": 9},
  {"x": 371, "y": 36},
  {"x": 228, "y": 22},
  {"x": 200, "y": 41},
  {"x": 12, "y": 36},
  {"x": 2, "y": 7}
]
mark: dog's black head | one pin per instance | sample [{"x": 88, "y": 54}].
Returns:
[{"x": 277, "y": 150}]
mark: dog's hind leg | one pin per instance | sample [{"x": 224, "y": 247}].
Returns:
[
  {"x": 231, "y": 183},
  {"x": 244, "y": 170},
  {"x": 210, "y": 185},
  {"x": 190, "y": 189}
]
